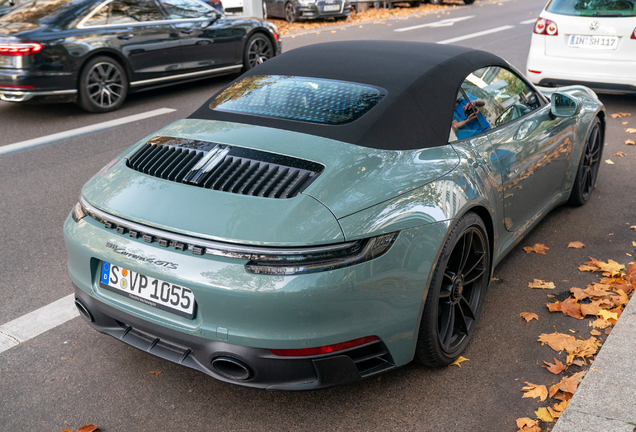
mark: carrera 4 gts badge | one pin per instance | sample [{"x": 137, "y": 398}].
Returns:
[{"x": 122, "y": 251}]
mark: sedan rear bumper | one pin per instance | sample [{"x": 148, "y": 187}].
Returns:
[
  {"x": 25, "y": 96},
  {"x": 235, "y": 364}
]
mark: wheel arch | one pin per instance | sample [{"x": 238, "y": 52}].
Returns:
[
  {"x": 105, "y": 53},
  {"x": 262, "y": 31}
]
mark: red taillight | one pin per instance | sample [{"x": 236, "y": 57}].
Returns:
[
  {"x": 545, "y": 27},
  {"x": 633, "y": 34},
  {"x": 534, "y": 71},
  {"x": 302, "y": 352},
  {"x": 215, "y": 2},
  {"x": 19, "y": 49},
  {"x": 276, "y": 37},
  {"x": 17, "y": 87}
]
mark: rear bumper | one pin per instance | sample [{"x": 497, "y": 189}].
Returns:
[
  {"x": 235, "y": 364},
  {"x": 25, "y": 96},
  {"x": 313, "y": 11},
  {"x": 606, "y": 76}
]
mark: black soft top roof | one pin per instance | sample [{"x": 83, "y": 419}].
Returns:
[{"x": 421, "y": 80}]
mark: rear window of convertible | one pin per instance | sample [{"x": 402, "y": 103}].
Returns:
[{"x": 313, "y": 100}]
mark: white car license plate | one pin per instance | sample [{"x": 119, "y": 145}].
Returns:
[
  {"x": 593, "y": 42},
  {"x": 148, "y": 290},
  {"x": 329, "y": 8}
]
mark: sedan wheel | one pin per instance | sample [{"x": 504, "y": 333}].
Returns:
[
  {"x": 437, "y": 2},
  {"x": 258, "y": 50},
  {"x": 290, "y": 13},
  {"x": 456, "y": 294},
  {"x": 103, "y": 85},
  {"x": 588, "y": 166}
]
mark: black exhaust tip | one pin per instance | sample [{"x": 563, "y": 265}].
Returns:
[
  {"x": 83, "y": 310},
  {"x": 232, "y": 368}
]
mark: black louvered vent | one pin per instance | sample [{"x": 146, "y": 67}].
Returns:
[{"x": 220, "y": 167}]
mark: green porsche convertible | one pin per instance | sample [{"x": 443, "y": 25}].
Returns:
[{"x": 329, "y": 215}]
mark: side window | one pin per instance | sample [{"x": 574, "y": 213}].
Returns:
[
  {"x": 133, "y": 11},
  {"x": 125, "y": 12},
  {"x": 490, "y": 97},
  {"x": 186, "y": 9}
]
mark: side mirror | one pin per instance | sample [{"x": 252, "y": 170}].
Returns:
[{"x": 563, "y": 105}]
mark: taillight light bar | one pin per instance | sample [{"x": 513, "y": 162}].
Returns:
[
  {"x": 633, "y": 34},
  {"x": 304, "y": 352},
  {"x": 545, "y": 27},
  {"x": 19, "y": 49}
]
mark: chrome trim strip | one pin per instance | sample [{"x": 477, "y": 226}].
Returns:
[
  {"x": 22, "y": 96},
  {"x": 81, "y": 24},
  {"x": 186, "y": 75},
  {"x": 213, "y": 247}
]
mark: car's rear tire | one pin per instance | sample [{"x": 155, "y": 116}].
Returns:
[
  {"x": 437, "y": 2},
  {"x": 102, "y": 85},
  {"x": 456, "y": 294},
  {"x": 415, "y": 4},
  {"x": 588, "y": 166},
  {"x": 290, "y": 12},
  {"x": 469, "y": 2},
  {"x": 258, "y": 49}
]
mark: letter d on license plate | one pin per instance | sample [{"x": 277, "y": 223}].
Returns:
[{"x": 148, "y": 290}]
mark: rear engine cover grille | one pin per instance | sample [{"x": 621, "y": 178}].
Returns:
[{"x": 224, "y": 168}]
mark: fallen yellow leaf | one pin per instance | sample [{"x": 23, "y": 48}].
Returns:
[
  {"x": 630, "y": 142},
  {"x": 544, "y": 415},
  {"x": 559, "y": 341},
  {"x": 607, "y": 315},
  {"x": 525, "y": 421},
  {"x": 576, "y": 245},
  {"x": 537, "y": 248},
  {"x": 535, "y": 391},
  {"x": 584, "y": 267},
  {"x": 630, "y": 130},
  {"x": 529, "y": 316},
  {"x": 620, "y": 114},
  {"x": 619, "y": 154},
  {"x": 538, "y": 283},
  {"x": 458, "y": 361},
  {"x": 561, "y": 406},
  {"x": 555, "y": 368},
  {"x": 609, "y": 162}
]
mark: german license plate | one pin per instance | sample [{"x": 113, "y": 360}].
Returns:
[
  {"x": 593, "y": 42},
  {"x": 329, "y": 8},
  {"x": 148, "y": 290}
]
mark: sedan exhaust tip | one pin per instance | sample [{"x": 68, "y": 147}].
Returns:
[{"x": 83, "y": 311}]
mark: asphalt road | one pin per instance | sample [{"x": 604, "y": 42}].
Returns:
[{"x": 76, "y": 375}]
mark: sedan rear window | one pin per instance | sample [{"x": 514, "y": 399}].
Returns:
[
  {"x": 311, "y": 100},
  {"x": 600, "y": 8}
]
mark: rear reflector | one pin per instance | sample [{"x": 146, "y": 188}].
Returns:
[
  {"x": 302, "y": 352},
  {"x": 19, "y": 49},
  {"x": 545, "y": 27}
]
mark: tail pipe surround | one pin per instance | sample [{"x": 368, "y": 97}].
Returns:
[{"x": 232, "y": 368}]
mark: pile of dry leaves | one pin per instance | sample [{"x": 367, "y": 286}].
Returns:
[
  {"x": 372, "y": 14},
  {"x": 604, "y": 301}
]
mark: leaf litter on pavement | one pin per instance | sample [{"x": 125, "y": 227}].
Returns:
[{"x": 602, "y": 303}]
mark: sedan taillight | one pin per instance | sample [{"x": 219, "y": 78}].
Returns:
[
  {"x": 19, "y": 49},
  {"x": 633, "y": 34},
  {"x": 545, "y": 27}
]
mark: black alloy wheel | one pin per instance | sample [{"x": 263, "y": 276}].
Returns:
[
  {"x": 456, "y": 294},
  {"x": 257, "y": 50},
  {"x": 103, "y": 85},
  {"x": 588, "y": 166},
  {"x": 290, "y": 12}
]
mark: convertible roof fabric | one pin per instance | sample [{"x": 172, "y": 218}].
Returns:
[{"x": 421, "y": 79}]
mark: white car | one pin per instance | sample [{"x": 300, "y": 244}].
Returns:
[{"x": 589, "y": 42}]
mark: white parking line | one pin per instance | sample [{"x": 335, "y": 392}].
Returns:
[
  {"x": 37, "y": 322},
  {"x": 86, "y": 129},
  {"x": 443, "y": 23},
  {"x": 474, "y": 35},
  {"x": 530, "y": 21}
]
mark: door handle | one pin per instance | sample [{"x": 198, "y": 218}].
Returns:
[{"x": 125, "y": 36}]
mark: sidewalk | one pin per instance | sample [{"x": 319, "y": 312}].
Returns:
[{"x": 606, "y": 398}]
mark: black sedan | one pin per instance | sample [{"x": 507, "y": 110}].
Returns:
[
  {"x": 294, "y": 10},
  {"x": 95, "y": 52}
]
